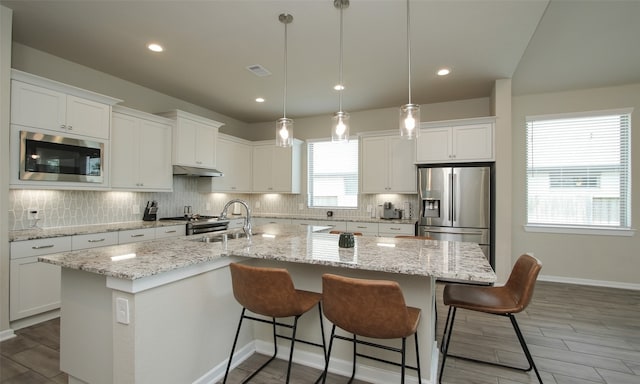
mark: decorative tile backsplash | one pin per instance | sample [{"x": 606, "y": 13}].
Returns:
[{"x": 67, "y": 208}]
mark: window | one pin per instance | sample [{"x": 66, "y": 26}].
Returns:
[
  {"x": 332, "y": 174},
  {"x": 578, "y": 170}
]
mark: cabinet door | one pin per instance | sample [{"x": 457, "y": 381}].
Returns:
[
  {"x": 136, "y": 235},
  {"x": 473, "y": 142},
  {"x": 234, "y": 160},
  {"x": 402, "y": 170},
  {"x": 368, "y": 229},
  {"x": 391, "y": 229},
  {"x": 37, "y": 107},
  {"x": 184, "y": 142},
  {"x": 433, "y": 145},
  {"x": 195, "y": 143},
  {"x": 34, "y": 287},
  {"x": 124, "y": 151},
  {"x": 375, "y": 165},
  {"x": 154, "y": 157},
  {"x": 262, "y": 169},
  {"x": 171, "y": 231},
  {"x": 94, "y": 240},
  {"x": 205, "y": 146},
  {"x": 87, "y": 118},
  {"x": 281, "y": 169}
]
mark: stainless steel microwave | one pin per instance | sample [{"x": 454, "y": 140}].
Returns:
[{"x": 59, "y": 158}]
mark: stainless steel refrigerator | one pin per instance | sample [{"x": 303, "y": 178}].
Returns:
[{"x": 456, "y": 204}]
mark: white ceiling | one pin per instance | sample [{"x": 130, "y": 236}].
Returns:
[{"x": 544, "y": 46}]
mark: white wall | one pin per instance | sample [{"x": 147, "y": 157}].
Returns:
[
  {"x": 5, "y": 76},
  {"x": 578, "y": 257}
]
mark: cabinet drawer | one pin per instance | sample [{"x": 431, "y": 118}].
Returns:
[
  {"x": 94, "y": 240},
  {"x": 34, "y": 287},
  {"x": 390, "y": 229},
  {"x": 236, "y": 223},
  {"x": 303, "y": 222},
  {"x": 171, "y": 231},
  {"x": 366, "y": 228},
  {"x": 335, "y": 225},
  {"x": 135, "y": 235},
  {"x": 28, "y": 248}
]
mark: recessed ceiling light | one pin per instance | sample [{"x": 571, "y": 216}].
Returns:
[
  {"x": 259, "y": 100},
  {"x": 155, "y": 47},
  {"x": 444, "y": 72},
  {"x": 338, "y": 87}
]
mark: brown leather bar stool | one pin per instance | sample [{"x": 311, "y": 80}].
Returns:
[
  {"x": 270, "y": 292},
  {"x": 506, "y": 300},
  {"x": 369, "y": 308}
]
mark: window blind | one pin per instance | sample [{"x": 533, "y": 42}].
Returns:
[
  {"x": 332, "y": 174},
  {"x": 578, "y": 170}
]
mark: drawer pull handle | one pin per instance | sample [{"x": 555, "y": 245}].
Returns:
[
  {"x": 95, "y": 240},
  {"x": 138, "y": 235},
  {"x": 395, "y": 229},
  {"x": 42, "y": 246},
  {"x": 173, "y": 231},
  {"x": 361, "y": 226}
]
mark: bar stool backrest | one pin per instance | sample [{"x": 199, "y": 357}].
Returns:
[
  {"x": 265, "y": 291},
  {"x": 370, "y": 308},
  {"x": 522, "y": 280}
]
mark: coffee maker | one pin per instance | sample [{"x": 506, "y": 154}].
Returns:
[{"x": 151, "y": 211}]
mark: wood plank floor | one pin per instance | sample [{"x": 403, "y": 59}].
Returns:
[{"x": 577, "y": 334}]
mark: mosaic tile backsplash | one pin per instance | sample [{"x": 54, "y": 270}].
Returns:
[{"x": 68, "y": 208}]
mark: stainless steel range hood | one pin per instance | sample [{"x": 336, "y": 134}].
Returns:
[{"x": 194, "y": 171}]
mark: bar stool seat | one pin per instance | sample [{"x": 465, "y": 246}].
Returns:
[
  {"x": 369, "y": 308},
  {"x": 506, "y": 300},
  {"x": 270, "y": 292}
]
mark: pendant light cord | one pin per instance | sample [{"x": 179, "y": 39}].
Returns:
[
  {"x": 409, "y": 47},
  {"x": 284, "y": 97},
  {"x": 341, "y": 50}
]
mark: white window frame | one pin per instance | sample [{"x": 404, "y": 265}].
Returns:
[
  {"x": 624, "y": 229},
  {"x": 310, "y": 197}
]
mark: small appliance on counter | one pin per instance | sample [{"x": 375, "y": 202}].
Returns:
[
  {"x": 389, "y": 212},
  {"x": 151, "y": 211}
]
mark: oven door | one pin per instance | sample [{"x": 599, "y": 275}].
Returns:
[{"x": 58, "y": 158}]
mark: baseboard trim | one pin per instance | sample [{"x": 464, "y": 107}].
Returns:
[
  {"x": 7, "y": 334},
  {"x": 595, "y": 283},
  {"x": 216, "y": 374}
]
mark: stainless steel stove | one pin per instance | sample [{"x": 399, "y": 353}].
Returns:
[{"x": 198, "y": 224}]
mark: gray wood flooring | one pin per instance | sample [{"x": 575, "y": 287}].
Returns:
[{"x": 577, "y": 334}]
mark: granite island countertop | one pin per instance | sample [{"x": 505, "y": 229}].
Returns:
[{"x": 291, "y": 243}]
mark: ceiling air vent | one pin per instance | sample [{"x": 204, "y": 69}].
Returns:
[{"x": 259, "y": 70}]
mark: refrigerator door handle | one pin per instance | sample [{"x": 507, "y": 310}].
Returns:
[
  {"x": 450, "y": 197},
  {"x": 453, "y": 193}
]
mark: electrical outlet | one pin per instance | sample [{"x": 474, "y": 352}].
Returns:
[
  {"x": 122, "y": 310},
  {"x": 32, "y": 213},
  {"x": 135, "y": 209}
]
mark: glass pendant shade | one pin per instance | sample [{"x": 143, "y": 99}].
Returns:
[
  {"x": 284, "y": 132},
  {"x": 409, "y": 121},
  {"x": 340, "y": 127}
]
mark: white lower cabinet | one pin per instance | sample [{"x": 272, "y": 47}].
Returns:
[
  {"x": 136, "y": 235},
  {"x": 170, "y": 231},
  {"x": 34, "y": 287},
  {"x": 367, "y": 229},
  {"x": 391, "y": 230},
  {"x": 94, "y": 240}
]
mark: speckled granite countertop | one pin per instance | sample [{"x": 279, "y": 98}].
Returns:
[
  {"x": 44, "y": 233},
  {"x": 291, "y": 243}
]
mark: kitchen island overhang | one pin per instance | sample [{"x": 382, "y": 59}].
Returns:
[{"x": 181, "y": 311}]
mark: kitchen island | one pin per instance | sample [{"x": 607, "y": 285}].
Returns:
[{"x": 164, "y": 312}]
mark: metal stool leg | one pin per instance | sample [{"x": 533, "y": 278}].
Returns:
[
  {"x": 445, "y": 345},
  {"x": 418, "y": 358},
  {"x": 326, "y": 365},
  {"x": 404, "y": 345},
  {"x": 525, "y": 349},
  {"x": 355, "y": 353},
  {"x": 233, "y": 347},
  {"x": 293, "y": 340}
]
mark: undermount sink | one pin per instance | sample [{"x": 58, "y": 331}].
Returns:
[{"x": 219, "y": 237}]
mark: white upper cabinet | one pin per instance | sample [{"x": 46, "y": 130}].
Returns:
[
  {"x": 141, "y": 151},
  {"x": 388, "y": 165},
  {"x": 41, "y": 103},
  {"x": 453, "y": 141},
  {"x": 194, "y": 139},
  {"x": 277, "y": 169},
  {"x": 234, "y": 161}
]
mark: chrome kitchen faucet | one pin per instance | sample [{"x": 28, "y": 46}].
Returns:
[{"x": 247, "y": 220}]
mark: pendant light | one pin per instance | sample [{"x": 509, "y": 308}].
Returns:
[
  {"x": 409, "y": 113},
  {"x": 284, "y": 126},
  {"x": 340, "y": 126}
]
